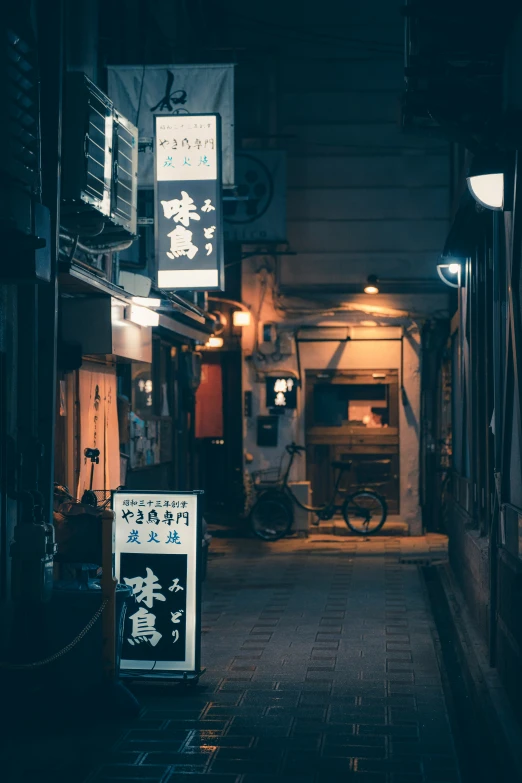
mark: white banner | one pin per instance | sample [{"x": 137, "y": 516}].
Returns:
[{"x": 140, "y": 92}]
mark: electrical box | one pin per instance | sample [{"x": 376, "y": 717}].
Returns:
[
  {"x": 267, "y": 339},
  {"x": 302, "y": 518},
  {"x": 286, "y": 344},
  {"x": 267, "y": 430}
]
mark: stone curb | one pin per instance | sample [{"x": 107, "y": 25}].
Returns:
[{"x": 486, "y": 690}]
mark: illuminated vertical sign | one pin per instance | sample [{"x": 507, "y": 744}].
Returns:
[
  {"x": 157, "y": 553},
  {"x": 188, "y": 210},
  {"x": 281, "y": 392}
]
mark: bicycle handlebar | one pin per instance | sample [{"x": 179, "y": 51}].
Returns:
[{"x": 293, "y": 448}]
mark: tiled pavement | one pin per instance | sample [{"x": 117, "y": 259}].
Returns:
[{"x": 321, "y": 666}]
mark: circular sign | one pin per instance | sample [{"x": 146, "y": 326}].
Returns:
[{"x": 255, "y": 187}]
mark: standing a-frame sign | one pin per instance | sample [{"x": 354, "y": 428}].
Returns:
[{"x": 157, "y": 555}]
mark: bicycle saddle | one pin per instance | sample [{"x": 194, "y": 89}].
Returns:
[{"x": 342, "y": 465}]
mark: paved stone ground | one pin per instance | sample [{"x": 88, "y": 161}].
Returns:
[{"x": 321, "y": 666}]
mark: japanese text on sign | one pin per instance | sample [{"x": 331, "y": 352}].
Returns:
[
  {"x": 156, "y": 556},
  {"x": 188, "y": 202}
]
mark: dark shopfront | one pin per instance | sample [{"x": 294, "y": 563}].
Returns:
[{"x": 156, "y": 404}]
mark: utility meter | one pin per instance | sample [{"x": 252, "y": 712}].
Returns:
[{"x": 267, "y": 337}]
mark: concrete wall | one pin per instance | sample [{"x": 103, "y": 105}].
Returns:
[{"x": 324, "y": 83}]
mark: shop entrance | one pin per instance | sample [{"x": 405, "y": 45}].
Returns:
[
  {"x": 353, "y": 415},
  {"x": 219, "y": 433}
]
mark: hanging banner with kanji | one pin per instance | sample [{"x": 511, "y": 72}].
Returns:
[
  {"x": 188, "y": 210},
  {"x": 157, "y": 554},
  {"x": 141, "y": 91}
]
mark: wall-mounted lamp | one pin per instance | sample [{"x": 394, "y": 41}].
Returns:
[
  {"x": 486, "y": 180},
  {"x": 371, "y": 285},
  {"x": 214, "y": 342},
  {"x": 146, "y": 301},
  {"x": 241, "y": 318},
  {"x": 141, "y": 316},
  {"x": 451, "y": 273}
]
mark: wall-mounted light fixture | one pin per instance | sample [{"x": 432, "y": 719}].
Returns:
[
  {"x": 141, "y": 316},
  {"x": 451, "y": 273},
  {"x": 241, "y": 318},
  {"x": 146, "y": 301},
  {"x": 371, "y": 286},
  {"x": 214, "y": 342},
  {"x": 486, "y": 180}
]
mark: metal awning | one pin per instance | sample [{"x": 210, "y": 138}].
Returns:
[{"x": 179, "y": 317}]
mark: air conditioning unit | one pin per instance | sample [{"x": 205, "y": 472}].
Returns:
[
  {"x": 124, "y": 192},
  {"x": 87, "y": 150},
  {"x": 99, "y": 166}
]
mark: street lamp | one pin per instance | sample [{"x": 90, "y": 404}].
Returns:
[
  {"x": 451, "y": 273},
  {"x": 486, "y": 181}
]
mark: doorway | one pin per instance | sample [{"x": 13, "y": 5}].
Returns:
[
  {"x": 353, "y": 416},
  {"x": 219, "y": 435}
]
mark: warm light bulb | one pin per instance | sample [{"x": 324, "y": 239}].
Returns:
[
  {"x": 454, "y": 269},
  {"x": 371, "y": 289},
  {"x": 488, "y": 190},
  {"x": 214, "y": 342},
  {"x": 241, "y": 318}
]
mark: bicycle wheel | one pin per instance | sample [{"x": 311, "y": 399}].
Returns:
[
  {"x": 271, "y": 517},
  {"x": 365, "y": 512}
]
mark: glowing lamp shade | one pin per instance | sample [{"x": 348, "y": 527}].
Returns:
[
  {"x": 241, "y": 318},
  {"x": 214, "y": 342},
  {"x": 141, "y": 316},
  {"x": 371, "y": 286},
  {"x": 488, "y": 189}
]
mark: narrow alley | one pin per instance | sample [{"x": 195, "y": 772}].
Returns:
[
  {"x": 320, "y": 660},
  {"x": 260, "y": 391}
]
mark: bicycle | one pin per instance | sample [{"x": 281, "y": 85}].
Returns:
[{"x": 272, "y": 515}]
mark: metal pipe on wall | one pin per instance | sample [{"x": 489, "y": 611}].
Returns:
[{"x": 50, "y": 20}]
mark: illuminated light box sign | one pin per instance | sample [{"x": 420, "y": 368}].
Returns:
[
  {"x": 157, "y": 555},
  {"x": 188, "y": 209},
  {"x": 281, "y": 392}
]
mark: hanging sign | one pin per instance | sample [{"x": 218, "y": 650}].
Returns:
[
  {"x": 141, "y": 91},
  {"x": 281, "y": 392},
  {"x": 157, "y": 553},
  {"x": 189, "y": 234}
]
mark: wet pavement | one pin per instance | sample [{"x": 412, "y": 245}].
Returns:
[{"x": 321, "y": 665}]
